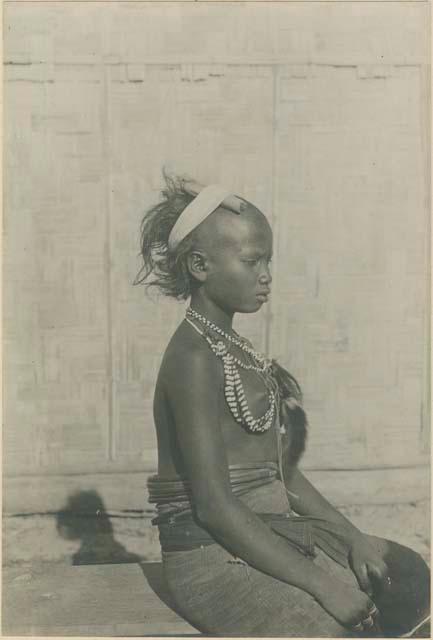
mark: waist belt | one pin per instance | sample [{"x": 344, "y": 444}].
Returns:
[{"x": 243, "y": 478}]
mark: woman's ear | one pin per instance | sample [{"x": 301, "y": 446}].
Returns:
[{"x": 197, "y": 265}]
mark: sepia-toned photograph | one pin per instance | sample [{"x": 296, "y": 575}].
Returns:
[{"x": 216, "y": 318}]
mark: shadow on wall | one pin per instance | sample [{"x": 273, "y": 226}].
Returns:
[{"x": 84, "y": 518}]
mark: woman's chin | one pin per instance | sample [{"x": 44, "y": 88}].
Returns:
[{"x": 253, "y": 307}]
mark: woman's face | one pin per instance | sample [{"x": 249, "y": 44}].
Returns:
[{"x": 238, "y": 261}]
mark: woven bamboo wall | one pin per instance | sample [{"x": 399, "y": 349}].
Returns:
[{"x": 317, "y": 112}]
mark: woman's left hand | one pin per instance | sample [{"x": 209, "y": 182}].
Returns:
[{"x": 367, "y": 564}]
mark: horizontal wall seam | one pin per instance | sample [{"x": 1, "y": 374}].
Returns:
[
  {"x": 152, "y": 469},
  {"x": 177, "y": 64},
  {"x": 146, "y": 515}
]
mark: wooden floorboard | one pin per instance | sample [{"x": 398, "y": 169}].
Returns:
[{"x": 89, "y": 600}]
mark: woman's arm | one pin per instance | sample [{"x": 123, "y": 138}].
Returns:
[
  {"x": 195, "y": 392},
  {"x": 365, "y": 558},
  {"x": 306, "y": 500}
]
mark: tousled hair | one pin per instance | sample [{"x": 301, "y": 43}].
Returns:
[{"x": 161, "y": 268}]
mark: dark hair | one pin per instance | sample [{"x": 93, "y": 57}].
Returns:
[{"x": 168, "y": 268}]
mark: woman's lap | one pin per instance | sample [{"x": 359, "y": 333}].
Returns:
[
  {"x": 224, "y": 597},
  {"x": 221, "y": 596}
]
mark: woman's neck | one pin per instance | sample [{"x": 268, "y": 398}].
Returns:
[{"x": 212, "y": 312}]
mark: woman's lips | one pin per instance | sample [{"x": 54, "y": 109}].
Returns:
[{"x": 263, "y": 297}]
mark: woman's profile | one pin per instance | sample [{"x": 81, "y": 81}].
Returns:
[{"x": 249, "y": 546}]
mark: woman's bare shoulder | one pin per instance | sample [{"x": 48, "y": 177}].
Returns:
[{"x": 187, "y": 356}]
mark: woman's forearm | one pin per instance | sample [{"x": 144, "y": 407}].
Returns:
[
  {"x": 307, "y": 501},
  {"x": 247, "y": 537}
]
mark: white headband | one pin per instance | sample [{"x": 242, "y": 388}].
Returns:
[{"x": 198, "y": 210}]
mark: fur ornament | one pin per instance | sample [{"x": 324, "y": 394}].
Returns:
[{"x": 293, "y": 419}]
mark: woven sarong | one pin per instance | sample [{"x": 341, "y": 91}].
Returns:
[{"x": 224, "y": 596}]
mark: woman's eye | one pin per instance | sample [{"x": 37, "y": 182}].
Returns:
[{"x": 256, "y": 261}]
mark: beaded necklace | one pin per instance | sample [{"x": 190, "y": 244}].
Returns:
[
  {"x": 233, "y": 388},
  {"x": 263, "y": 363}
]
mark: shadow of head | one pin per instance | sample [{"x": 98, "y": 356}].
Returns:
[{"x": 84, "y": 518}]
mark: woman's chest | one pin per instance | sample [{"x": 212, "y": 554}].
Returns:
[{"x": 244, "y": 441}]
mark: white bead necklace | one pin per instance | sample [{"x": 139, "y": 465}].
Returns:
[
  {"x": 233, "y": 388},
  {"x": 262, "y": 362}
]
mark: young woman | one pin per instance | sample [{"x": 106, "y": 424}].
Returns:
[{"x": 249, "y": 546}]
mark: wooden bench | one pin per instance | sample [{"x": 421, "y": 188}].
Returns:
[{"x": 89, "y": 600}]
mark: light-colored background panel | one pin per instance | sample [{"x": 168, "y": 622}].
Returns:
[
  {"x": 294, "y": 33},
  {"x": 356, "y": 165},
  {"x": 325, "y": 32},
  {"x": 54, "y": 257}
]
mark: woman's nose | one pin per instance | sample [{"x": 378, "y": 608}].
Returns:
[{"x": 265, "y": 277}]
